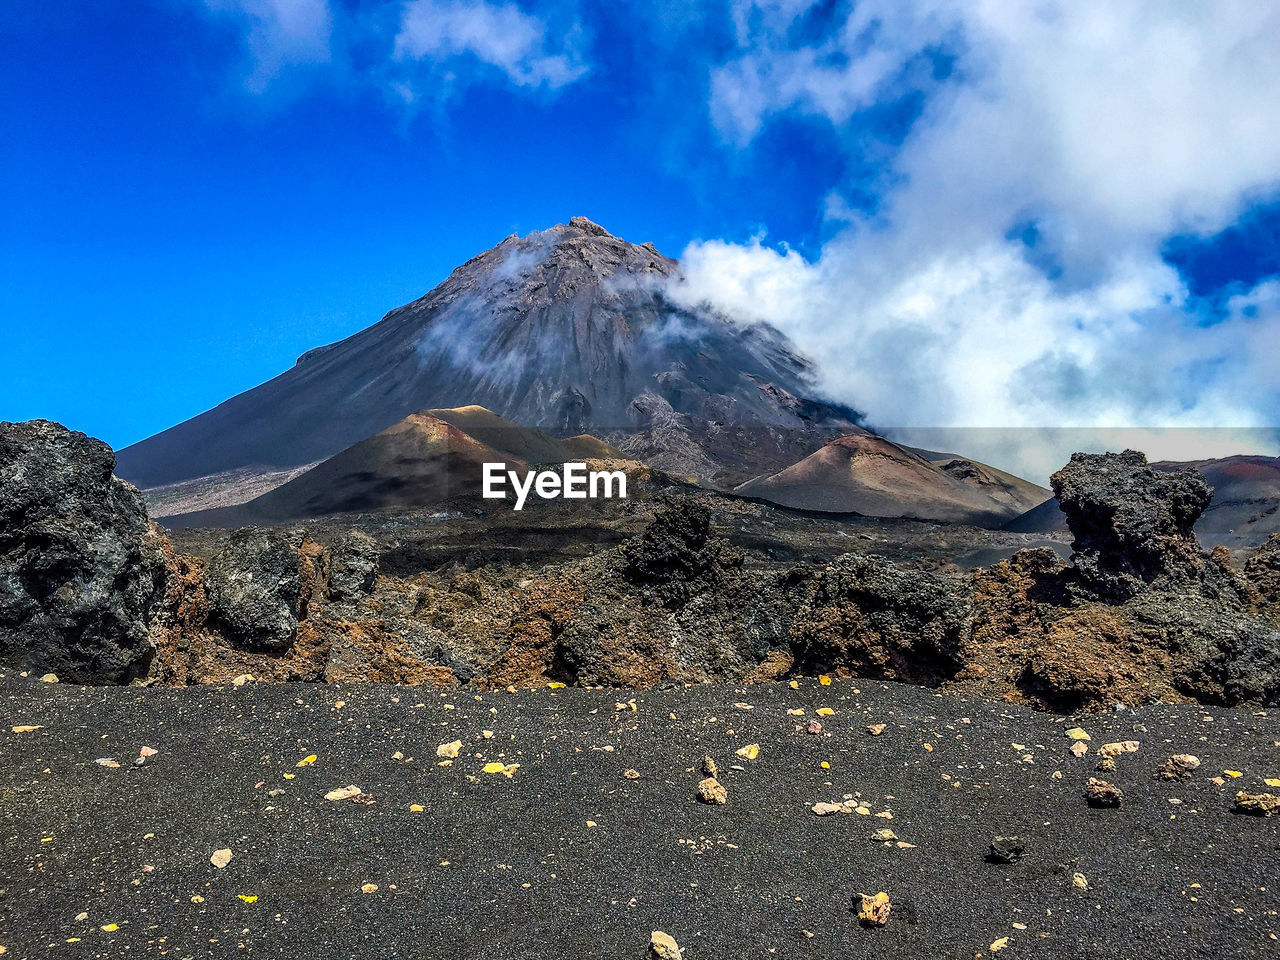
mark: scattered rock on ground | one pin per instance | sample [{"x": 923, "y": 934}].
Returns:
[
  {"x": 1006, "y": 850},
  {"x": 873, "y": 911},
  {"x": 711, "y": 790},
  {"x": 1257, "y": 804},
  {"x": 1100, "y": 793},
  {"x": 663, "y": 946},
  {"x": 1179, "y": 767},
  {"x": 824, "y": 809},
  {"x": 1118, "y": 748}
]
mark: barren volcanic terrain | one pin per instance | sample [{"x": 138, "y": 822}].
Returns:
[
  {"x": 595, "y": 839},
  {"x": 803, "y": 691}
]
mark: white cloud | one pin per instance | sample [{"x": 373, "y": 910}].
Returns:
[
  {"x": 1110, "y": 126},
  {"x": 280, "y": 34},
  {"x": 497, "y": 35},
  {"x": 451, "y": 42}
]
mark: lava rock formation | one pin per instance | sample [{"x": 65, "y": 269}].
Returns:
[{"x": 80, "y": 568}]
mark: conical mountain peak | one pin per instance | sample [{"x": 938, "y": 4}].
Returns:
[{"x": 567, "y": 330}]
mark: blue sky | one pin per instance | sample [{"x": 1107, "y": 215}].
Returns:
[{"x": 196, "y": 191}]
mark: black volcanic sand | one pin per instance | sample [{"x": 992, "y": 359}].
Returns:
[{"x": 510, "y": 868}]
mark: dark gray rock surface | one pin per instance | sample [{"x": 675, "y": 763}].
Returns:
[
  {"x": 508, "y": 868},
  {"x": 677, "y": 556},
  {"x": 879, "y": 619},
  {"x": 1262, "y": 570},
  {"x": 79, "y": 573},
  {"x": 1133, "y": 525},
  {"x": 353, "y": 566},
  {"x": 255, "y": 587}
]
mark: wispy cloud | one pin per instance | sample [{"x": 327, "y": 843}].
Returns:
[
  {"x": 456, "y": 36},
  {"x": 1012, "y": 274},
  {"x": 410, "y": 48},
  {"x": 279, "y": 34}
]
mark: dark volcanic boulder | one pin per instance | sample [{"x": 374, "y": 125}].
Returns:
[
  {"x": 79, "y": 573},
  {"x": 1262, "y": 570},
  {"x": 353, "y": 566},
  {"x": 1132, "y": 524},
  {"x": 872, "y": 618},
  {"x": 1220, "y": 653},
  {"x": 255, "y": 590},
  {"x": 676, "y": 557}
]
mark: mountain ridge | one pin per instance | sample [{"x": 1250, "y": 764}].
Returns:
[{"x": 567, "y": 330}]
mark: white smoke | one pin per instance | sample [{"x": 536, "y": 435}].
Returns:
[{"x": 1110, "y": 127}]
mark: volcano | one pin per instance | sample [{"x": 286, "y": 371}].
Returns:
[
  {"x": 875, "y": 477},
  {"x": 424, "y": 459},
  {"x": 569, "y": 330}
]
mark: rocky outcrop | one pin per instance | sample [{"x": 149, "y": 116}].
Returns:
[
  {"x": 1132, "y": 524},
  {"x": 80, "y": 571},
  {"x": 1028, "y": 643},
  {"x": 676, "y": 557},
  {"x": 353, "y": 566},
  {"x": 89, "y": 590},
  {"x": 869, "y": 617},
  {"x": 1262, "y": 570},
  {"x": 258, "y": 590}
]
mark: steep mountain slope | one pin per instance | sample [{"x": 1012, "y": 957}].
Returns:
[
  {"x": 1245, "y": 509},
  {"x": 1003, "y": 489},
  {"x": 567, "y": 330},
  {"x": 508, "y": 438},
  {"x": 870, "y": 475}
]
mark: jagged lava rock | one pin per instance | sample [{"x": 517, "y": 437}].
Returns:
[
  {"x": 353, "y": 566},
  {"x": 1132, "y": 524},
  {"x": 873, "y": 618},
  {"x": 255, "y": 590},
  {"x": 676, "y": 555},
  {"x": 80, "y": 571},
  {"x": 1262, "y": 569}
]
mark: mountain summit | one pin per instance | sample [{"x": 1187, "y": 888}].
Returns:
[{"x": 567, "y": 330}]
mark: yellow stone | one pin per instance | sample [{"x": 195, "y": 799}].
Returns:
[{"x": 663, "y": 946}]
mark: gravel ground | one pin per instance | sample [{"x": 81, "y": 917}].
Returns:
[{"x": 568, "y": 857}]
